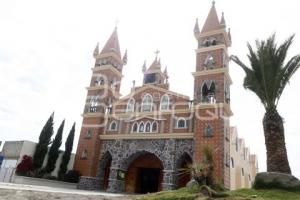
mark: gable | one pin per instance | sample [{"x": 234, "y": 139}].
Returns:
[{"x": 175, "y": 99}]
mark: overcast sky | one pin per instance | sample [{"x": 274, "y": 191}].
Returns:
[{"x": 46, "y": 58}]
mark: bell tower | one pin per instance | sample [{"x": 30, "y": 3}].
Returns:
[
  {"x": 103, "y": 90},
  {"x": 154, "y": 74},
  {"x": 212, "y": 93}
]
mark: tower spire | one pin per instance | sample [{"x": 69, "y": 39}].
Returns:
[
  {"x": 212, "y": 20},
  {"x": 229, "y": 34},
  {"x": 112, "y": 44},
  {"x": 125, "y": 58},
  {"x": 96, "y": 51},
  {"x": 196, "y": 28},
  {"x": 222, "y": 21}
]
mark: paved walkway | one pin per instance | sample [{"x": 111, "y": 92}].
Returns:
[{"x": 31, "y": 192}]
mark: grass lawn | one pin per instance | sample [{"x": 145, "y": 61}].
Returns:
[{"x": 243, "y": 194}]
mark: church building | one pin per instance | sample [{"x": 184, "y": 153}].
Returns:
[{"x": 139, "y": 142}]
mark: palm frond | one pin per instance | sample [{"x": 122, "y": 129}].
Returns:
[
  {"x": 268, "y": 75},
  {"x": 286, "y": 73}
]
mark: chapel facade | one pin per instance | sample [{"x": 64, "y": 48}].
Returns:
[{"x": 139, "y": 142}]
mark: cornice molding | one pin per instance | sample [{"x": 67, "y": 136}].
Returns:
[
  {"x": 215, "y": 32},
  {"x": 112, "y": 54},
  {"x": 109, "y": 67},
  {"x": 147, "y": 136},
  {"x": 223, "y": 70}
]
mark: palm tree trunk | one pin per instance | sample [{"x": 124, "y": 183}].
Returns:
[{"x": 277, "y": 160}]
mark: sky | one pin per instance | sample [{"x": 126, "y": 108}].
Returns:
[{"x": 46, "y": 58}]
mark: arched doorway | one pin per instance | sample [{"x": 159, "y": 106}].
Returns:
[
  {"x": 144, "y": 174},
  {"x": 104, "y": 170},
  {"x": 183, "y": 177}
]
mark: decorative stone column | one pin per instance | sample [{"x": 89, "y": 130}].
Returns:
[
  {"x": 114, "y": 184},
  {"x": 169, "y": 180}
]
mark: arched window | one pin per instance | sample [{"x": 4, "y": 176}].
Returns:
[
  {"x": 208, "y": 92},
  {"x": 148, "y": 127},
  {"x": 113, "y": 126},
  {"x": 164, "y": 103},
  {"x": 209, "y": 62},
  {"x": 113, "y": 84},
  {"x": 243, "y": 174},
  {"x": 227, "y": 160},
  {"x": 154, "y": 126},
  {"x": 130, "y": 105},
  {"x": 147, "y": 103},
  {"x": 227, "y": 93},
  {"x": 206, "y": 43},
  {"x": 89, "y": 133},
  {"x": 134, "y": 127},
  {"x": 208, "y": 132},
  {"x": 93, "y": 104},
  {"x": 141, "y": 127},
  {"x": 181, "y": 123},
  {"x": 99, "y": 80},
  {"x": 84, "y": 154},
  {"x": 232, "y": 162},
  {"x": 213, "y": 41}
]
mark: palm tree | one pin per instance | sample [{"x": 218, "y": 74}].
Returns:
[{"x": 267, "y": 78}]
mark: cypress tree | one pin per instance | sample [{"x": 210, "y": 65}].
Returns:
[
  {"x": 54, "y": 149},
  {"x": 67, "y": 153},
  {"x": 42, "y": 146}
]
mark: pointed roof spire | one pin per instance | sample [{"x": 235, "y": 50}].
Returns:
[
  {"x": 112, "y": 45},
  {"x": 155, "y": 64},
  {"x": 229, "y": 34},
  {"x": 125, "y": 58},
  {"x": 166, "y": 71},
  {"x": 166, "y": 74},
  {"x": 222, "y": 21},
  {"x": 196, "y": 28},
  {"x": 212, "y": 20},
  {"x": 96, "y": 51}
]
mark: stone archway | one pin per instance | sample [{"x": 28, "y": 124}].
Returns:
[
  {"x": 183, "y": 177},
  {"x": 144, "y": 173},
  {"x": 104, "y": 170}
]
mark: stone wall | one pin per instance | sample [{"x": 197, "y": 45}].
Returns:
[
  {"x": 124, "y": 152},
  {"x": 88, "y": 183}
]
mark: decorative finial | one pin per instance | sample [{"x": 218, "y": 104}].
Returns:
[
  {"x": 229, "y": 34},
  {"x": 156, "y": 53},
  {"x": 166, "y": 74},
  {"x": 116, "y": 23},
  {"x": 213, "y": 2},
  {"x": 222, "y": 21},
  {"x": 196, "y": 29},
  {"x": 125, "y": 58},
  {"x": 96, "y": 51},
  {"x": 133, "y": 85}
]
